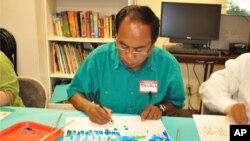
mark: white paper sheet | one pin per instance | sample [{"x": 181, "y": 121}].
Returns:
[
  {"x": 122, "y": 128},
  {"x": 213, "y": 127}
]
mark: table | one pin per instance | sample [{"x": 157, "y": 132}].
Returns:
[
  {"x": 208, "y": 60},
  {"x": 188, "y": 131}
]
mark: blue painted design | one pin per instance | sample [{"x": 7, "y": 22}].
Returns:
[
  {"x": 109, "y": 135},
  {"x": 160, "y": 137}
]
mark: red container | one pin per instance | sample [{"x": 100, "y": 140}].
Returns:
[{"x": 29, "y": 131}]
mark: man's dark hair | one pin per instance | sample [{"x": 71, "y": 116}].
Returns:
[{"x": 142, "y": 14}]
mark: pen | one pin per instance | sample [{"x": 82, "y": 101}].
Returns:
[{"x": 178, "y": 134}]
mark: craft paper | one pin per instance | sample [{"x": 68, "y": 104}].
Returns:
[
  {"x": 213, "y": 127},
  {"x": 123, "y": 128}
]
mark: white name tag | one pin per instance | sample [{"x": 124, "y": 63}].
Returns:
[{"x": 147, "y": 86}]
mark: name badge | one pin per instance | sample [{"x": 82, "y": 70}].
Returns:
[{"x": 147, "y": 86}]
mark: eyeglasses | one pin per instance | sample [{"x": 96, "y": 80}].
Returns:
[{"x": 125, "y": 49}]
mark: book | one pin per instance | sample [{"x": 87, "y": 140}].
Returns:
[
  {"x": 88, "y": 24},
  {"x": 77, "y": 24},
  {"x": 81, "y": 23},
  {"x": 57, "y": 25},
  {"x": 95, "y": 24},
  {"x": 72, "y": 23},
  {"x": 54, "y": 58},
  {"x": 65, "y": 26},
  {"x": 68, "y": 58}
]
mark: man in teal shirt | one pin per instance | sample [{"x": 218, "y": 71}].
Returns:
[{"x": 129, "y": 75}]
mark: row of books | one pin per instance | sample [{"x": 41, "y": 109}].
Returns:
[
  {"x": 83, "y": 24},
  {"x": 66, "y": 57}
]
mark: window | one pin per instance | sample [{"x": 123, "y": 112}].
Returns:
[{"x": 238, "y": 7}]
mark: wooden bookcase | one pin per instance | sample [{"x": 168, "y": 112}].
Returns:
[{"x": 106, "y": 7}]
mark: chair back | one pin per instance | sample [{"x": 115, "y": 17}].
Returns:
[{"x": 32, "y": 92}]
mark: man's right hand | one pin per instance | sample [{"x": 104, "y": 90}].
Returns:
[
  {"x": 99, "y": 115},
  {"x": 96, "y": 113},
  {"x": 238, "y": 113}
]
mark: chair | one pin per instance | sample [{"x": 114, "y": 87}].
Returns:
[{"x": 32, "y": 92}]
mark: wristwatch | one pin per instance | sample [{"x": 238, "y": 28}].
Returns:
[{"x": 162, "y": 107}]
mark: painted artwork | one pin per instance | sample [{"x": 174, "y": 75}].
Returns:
[{"x": 123, "y": 128}]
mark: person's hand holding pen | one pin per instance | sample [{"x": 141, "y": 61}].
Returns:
[{"x": 97, "y": 113}]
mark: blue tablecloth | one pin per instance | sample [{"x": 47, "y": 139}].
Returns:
[{"x": 188, "y": 131}]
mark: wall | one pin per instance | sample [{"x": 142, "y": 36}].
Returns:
[{"x": 24, "y": 20}]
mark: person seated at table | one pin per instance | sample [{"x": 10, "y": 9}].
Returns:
[
  {"x": 129, "y": 75},
  {"x": 9, "y": 86},
  {"x": 227, "y": 90}
]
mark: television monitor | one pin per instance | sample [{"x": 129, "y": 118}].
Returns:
[{"x": 192, "y": 24}]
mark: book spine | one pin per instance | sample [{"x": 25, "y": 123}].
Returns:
[
  {"x": 65, "y": 26},
  {"x": 72, "y": 24},
  {"x": 88, "y": 26}
]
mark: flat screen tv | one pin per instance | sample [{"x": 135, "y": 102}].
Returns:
[{"x": 191, "y": 24}]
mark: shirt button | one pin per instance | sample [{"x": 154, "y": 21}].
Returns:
[
  {"x": 106, "y": 92},
  {"x": 132, "y": 93}
]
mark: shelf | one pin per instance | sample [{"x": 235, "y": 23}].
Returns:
[
  {"x": 89, "y": 40},
  {"x": 60, "y": 75},
  {"x": 107, "y": 8}
]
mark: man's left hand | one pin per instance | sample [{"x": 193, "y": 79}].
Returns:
[{"x": 151, "y": 112}]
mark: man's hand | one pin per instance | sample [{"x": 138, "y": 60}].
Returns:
[
  {"x": 96, "y": 113},
  {"x": 151, "y": 112},
  {"x": 99, "y": 115},
  {"x": 238, "y": 113}
]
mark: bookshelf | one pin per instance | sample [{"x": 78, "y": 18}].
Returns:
[{"x": 108, "y": 7}]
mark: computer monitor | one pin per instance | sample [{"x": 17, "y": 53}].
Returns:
[{"x": 191, "y": 24}]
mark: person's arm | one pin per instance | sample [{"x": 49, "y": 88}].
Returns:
[
  {"x": 9, "y": 85},
  {"x": 225, "y": 90},
  {"x": 6, "y": 98},
  {"x": 95, "y": 112}
]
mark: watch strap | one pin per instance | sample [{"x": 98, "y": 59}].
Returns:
[{"x": 162, "y": 107}]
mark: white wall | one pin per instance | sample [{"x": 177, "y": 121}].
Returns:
[{"x": 23, "y": 19}]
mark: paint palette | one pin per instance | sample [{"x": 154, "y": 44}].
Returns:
[{"x": 28, "y": 130}]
